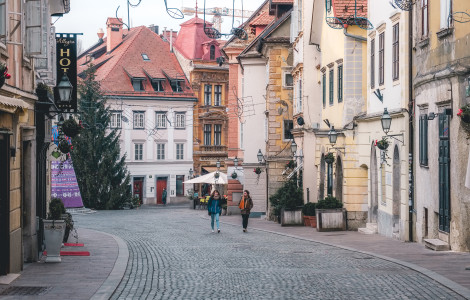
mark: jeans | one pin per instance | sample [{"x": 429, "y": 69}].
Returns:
[
  {"x": 245, "y": 220},
  {"x": 216, "y": 217}
]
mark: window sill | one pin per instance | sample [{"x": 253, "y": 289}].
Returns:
[
  {"x": 424, "y": 166},
  {"x": 424, "y": 42},
  {"x": 445, "y": 32}
]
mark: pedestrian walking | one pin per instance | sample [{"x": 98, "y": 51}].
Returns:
[
  {"x": 245, "y": 205},
  {"x": 214, "y": 207},
  {"x": 164, "y": 196}
]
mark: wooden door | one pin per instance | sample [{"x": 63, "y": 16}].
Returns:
[
  {"x": 444, "y": 174},
  {"x": 4, "y": 204},
  {"x": 161, "y": 184},
  {"x": 138, "y": 187}
]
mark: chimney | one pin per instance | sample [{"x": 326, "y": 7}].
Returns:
[
  {"x": 171, "y": 40},
  {"x": 100, "y": 34},
  {"x": 114, "y": 33}
]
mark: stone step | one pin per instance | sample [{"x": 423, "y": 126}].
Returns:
[
  {"x": 372, "y": 226},
  {"x": 365, "y": 230},
  {"x": 436, "y": 245}
]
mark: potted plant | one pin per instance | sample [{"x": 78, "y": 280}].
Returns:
[
  {"x": 330, "y": 214},
  {"x": 286, "y": 203},
  {"x": 71, "y": 128},
  {"x": 42, "y": 90},
  {"x": 308, "y": 211},
  {"x": 64, "y": 146},
  {"x": 54, "y": 230},
  {"x": 290, "y": 164},
  {"x": 329, "y": 158},
  {"x": 382, "y": 144},
  {"x": 3, "y": 74},
  {"x": 257, "y": 170},
  {"x": 464, "y": 114}
]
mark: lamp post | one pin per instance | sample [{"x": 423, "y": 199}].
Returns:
[
  {"x": 386, "y": 121},
  {"x": 65, "y": 89},
  {"x": 235, "y": 162},
  {"x": 332, "y": 136},
  {"x": 191, "y": 172},
  {"x": 260, "y": 156}
]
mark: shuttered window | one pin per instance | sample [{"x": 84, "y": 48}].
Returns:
[
  {"x": 324, "y": 89},
  {"x": 331, "y": 86},
  {"x": 34, "y": 27},
  {"x": 423, "y": 140},
  {"x": 3, "y": 18}
]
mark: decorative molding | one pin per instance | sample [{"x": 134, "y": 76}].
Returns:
[
  {"x": 424, "y": 42},
  {"x": 395, "y": 17},
  {"x": 445, "y": 32},
  {"x": 339, "y": 61},
  {"x": 330, "y": 65},
  {"x": 372, "y": 34},
  {"x": 323, "y": 70},
  {"x": 381, "y": 27}
]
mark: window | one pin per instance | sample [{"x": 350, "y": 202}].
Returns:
[
  {"x": 115, "y": 119},
  {"x": 212, "y": 52},
  {"x": 139, "y": 120},
  {"x": 160, "y": 151},
  {"x": 180, "y": 119},
  {"x": 423, "y": 140},
  {"x": 372, "y": 63},
  {"x": 138, "y": 85},
  {"x": 328, "y": 5},
  {"x": 299, "y": 108},
  {"x": 160, "y": 120},
  {"x": 138, "y": 151},
  {"x": 446, "y": 11},
  {"x": 324, "y": 89},
  {"x": 331, "y": 87},
  {"x": 288, "y": 80},
  {"x": 340, "y": 83},
  {"x": 157, "y": 85},
  {"x": 288, "y": 126},
  {"x": 217, "y": 134},
  {"x": 395, "y": 52},
  {"x": 217, "y": 95},
  {"x": 381, "y": 58},
  {"x": 176, "y": 85},
  {"x": 207, "y": 94},
  {"x": 3, "y": 19},
  {"x": 145, "y": 56},
  {"x": 424, "y": 17},
  {"x": 207, "y": 134},
  {"x": 179, "y": 151}
]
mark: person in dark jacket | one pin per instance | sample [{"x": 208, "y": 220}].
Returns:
[
  {"x": 214, "y": 207},
  {"x": 245, "y": 205},
  {"x": 164, "y": 196}
]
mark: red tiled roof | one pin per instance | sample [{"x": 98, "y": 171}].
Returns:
[
  {"x": 262, "y": 20},
  {"x": 126, "y": 60},
  {"x": 344, "y": 9}
]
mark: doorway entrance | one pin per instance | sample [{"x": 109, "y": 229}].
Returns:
[
  {"x": 444, "y": 173},
  {"x": 138, "y": 188},
  {"x": 161, "y": 184},
  {"x": 4, "y": 204}
]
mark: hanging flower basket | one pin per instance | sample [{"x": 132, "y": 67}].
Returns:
[
  {"x": 42, "y": 90},
  {"x": 234, "y": 175},
  {"x": 464, "y": 114},
  {"x": 3, "y": 74},
  {"x": 258, "y": 170},
  {"x": 329, "y": 158},
  {"x": 64, "y": 147},
  {"x": 71, "y": 128},
  {"x": 382, "y": 144},
  {"x": 290, "y": 164}
]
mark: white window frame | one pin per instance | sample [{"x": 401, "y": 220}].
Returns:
[
  {"x": 180, "y": 120},
  {"x": 444, "y": 13},
  {"x": 3, "y": 19},
  {"x": 160, "y": 151},
  {"x": 138, "y": 151},
  {"x": 139, "y": 120},
  {"x": 34, "y": 27},
  {"x": 217, "y": 95},
  {"x": 116, "y": 119},
  {"x": 160, "y": 120},
  {"x": 179, "y": 151}
]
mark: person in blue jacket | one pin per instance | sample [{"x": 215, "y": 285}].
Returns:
[{"x": 214, "y": 207}]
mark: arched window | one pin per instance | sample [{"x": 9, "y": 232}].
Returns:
[{"x": 212, "y": 52}]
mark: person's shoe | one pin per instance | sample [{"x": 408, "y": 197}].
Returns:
[
  {"x": 244, "y": 230},
  {"x": 212, "y": 230},
  {"x": 218, "y": 230}
]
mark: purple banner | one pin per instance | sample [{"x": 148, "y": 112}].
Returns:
[{"x": 65, "y": 185}]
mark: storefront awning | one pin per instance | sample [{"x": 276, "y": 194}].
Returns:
[{"x": 10, "y": 105}]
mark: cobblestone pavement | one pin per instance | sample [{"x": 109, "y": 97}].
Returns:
[{"x": 174, "y": 255}]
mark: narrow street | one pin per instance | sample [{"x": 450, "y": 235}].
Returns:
[{"x": 174, "y": 255}]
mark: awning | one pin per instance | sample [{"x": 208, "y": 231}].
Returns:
[{"x": 10, "y": 105}]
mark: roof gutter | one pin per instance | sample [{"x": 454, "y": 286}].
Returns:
[{"x": 356, "y": 37}]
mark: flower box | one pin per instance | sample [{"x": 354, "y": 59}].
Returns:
[
  {"x": 291, "y": 217},
  {"x": 332, "y": 219}
]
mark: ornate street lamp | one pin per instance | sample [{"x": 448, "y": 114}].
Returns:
[
  {"x": 293, "y": 147},
  {"x": 217, "y": 164},
  {"x": 260, "y": 156},
  {"x": 235, "y": 162},
  {"x": 65, "y": 89},
  {"x": 386, "y": 121},
  {"x": 191, "y": 172},
  {"x": 332, "y": 135}
]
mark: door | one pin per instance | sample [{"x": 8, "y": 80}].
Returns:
[
  {"x": 179, "y": 185},
  {"x": 4, "y": 204},
  {"x": 139, "y": 187},
  {"x": 161, "y": 184},
  {"x": 444, "y": 173}
]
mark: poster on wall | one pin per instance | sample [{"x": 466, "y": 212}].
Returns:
[
  {"x": 65, "y": 92},
  {"x": 64, "y": 184}
]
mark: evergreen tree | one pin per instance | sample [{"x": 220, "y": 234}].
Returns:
[{"x": 102, "y": 174}]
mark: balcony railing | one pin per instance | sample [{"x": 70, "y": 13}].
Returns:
[{"x": 213, "y": 148}]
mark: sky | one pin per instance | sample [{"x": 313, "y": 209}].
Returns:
[{"x": 87, "y": 16}]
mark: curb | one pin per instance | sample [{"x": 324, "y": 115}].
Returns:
[
  {"x": 459, "y": 289},
  {"x": 106, "y": 290}
]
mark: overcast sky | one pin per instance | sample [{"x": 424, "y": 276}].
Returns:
[{"x": 87, "y": 16}]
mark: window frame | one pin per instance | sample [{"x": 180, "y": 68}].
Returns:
[
  {"x": 145, "y": 57},
  {"x": 140, "y": 82},
  {"x": 372, "y": 63},
  {"x": 331, "y": 86},
  {"x": 115, "y": 119},
  {"x": 340, "y": 83},
  {"x": 423, "y": 140},
  {"x": 157, "y": 85},
  {"x": 179, "y": 151},
  {"x": 217, "y": 134},
  {"x": 207, "y": 94},
  {"x": 138, "y": 151},
  {"x": 176, "y": 85},
  {"x": 141, "y": 122},
  {"x": 288, "y": 83},
  {"x": 324, "y": 88},
  {"x": 207, "y": 130},
  {"x": 217, "y": 95},
  {"x": 160, "y": 119},
  {"x": 212, "y": 52},
  {"x": 424, "y": 18},
  {"x": 160, "y": 151},
  {"x": 3, "y": 18},
  {"x": 396, "y": 52},
  {"x": 180, "y": 120},
  {"x": 382, "y": 58},
  {"x": 288, "y": 125}
]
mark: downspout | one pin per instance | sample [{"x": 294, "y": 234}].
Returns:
[
  {"x": 410, "y": 116},
  {"x": 356, "y": 37}
]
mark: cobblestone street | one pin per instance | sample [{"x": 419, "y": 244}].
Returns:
[{"x": 174, "y": 255}]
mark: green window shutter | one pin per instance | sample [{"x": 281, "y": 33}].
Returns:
[
  {"x": 340, "y": 84},
  {"x": 324, "y": 89},
  {"x": 421, "y": 140},
  {"x": 331, "y": 86},
  {"x": 425, "y": 140}
]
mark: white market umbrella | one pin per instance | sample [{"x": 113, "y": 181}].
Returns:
[{"x": 210, "y": 178}]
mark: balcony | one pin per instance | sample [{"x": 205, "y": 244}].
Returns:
[{"x": 204, "y": 149}]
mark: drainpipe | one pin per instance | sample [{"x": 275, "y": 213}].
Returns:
[
  {"x": 410, "y": 116},
  {"x": 356, "y": 37}
]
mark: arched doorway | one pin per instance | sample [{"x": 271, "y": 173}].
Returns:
[
  {"x": 374, "y": 186},
  {"x": 321, "y": 188},
  {"x": 396, "y": 192},
  {"x": 339, "y": 179}
]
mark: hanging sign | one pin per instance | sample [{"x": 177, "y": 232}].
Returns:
[{"x": 65, "y": 91}]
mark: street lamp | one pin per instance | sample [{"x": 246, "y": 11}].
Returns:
[
  {"x": 293, "y": 147},
  {"x": 65, "y": 89},
  {"x": 332, "y": 135},
  {"x": 217, "y": 164},
  {"x": 386, "y": 121},
  {"x": 260, "y": 156},
  {"x": 235, "y": 162},
  {"x": 191, "y": 172}
]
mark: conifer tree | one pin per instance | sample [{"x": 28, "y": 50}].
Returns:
[{"x": 101, "y": 172}]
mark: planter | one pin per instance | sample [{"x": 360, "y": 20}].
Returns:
[
  {"x": 54, "y": 231},
  {"x": 291, "y": 217},
  {"x": 331, "y": 219},
  {"x": 307, "y": 221},
  {"x": 382, "y": 146},
  {"x": 329, "y": 159},
  {"x": 466, "y": 122},
  {"x": 64, "y": 147},
  {"x": 71, "y": 128},
  {"x": 313, "y": 221}
]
